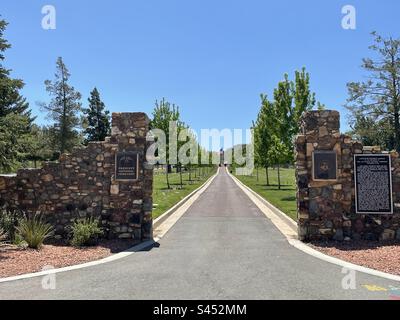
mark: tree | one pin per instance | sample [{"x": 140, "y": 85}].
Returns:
[
  {"x": 14, "y": 132},
  {"x": 377, "y": 100},
  {"x": 263, "y": 130},
  {"x": 279, "y": 121},
  {"x": 63, "y": 108},
  {"x": 278, "y": 154},
  {"x": 97, "y": 119},
  {"x": 165, "y": 113},
  {"x": 15, "y": 115},
  {"x": 291, "y": 100},
  {"x": 11, "y": 100},
  {"x": 304, "y": 99},
  {"x": 39, "y": 145},
  {"x": 285, "y": 114}
]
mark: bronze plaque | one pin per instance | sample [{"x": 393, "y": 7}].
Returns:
[
  {"x": 373, "y": 184},
  {"x": 324, "y": 166},
  {"x": 126, "y": 166}
]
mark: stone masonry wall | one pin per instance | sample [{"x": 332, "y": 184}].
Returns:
[
  {"x": 326, "y": 209},
  {"x": 82, "y": 184}
]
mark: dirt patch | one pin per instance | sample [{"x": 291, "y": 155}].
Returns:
[
  {"x": 375, "y": 255},
  {"x": 16, "y": 261}
]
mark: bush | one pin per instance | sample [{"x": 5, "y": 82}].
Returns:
[
  {"x": 3, "y": 235},
  {"x": 34, "y": 231},
  {"x": 85, "y": 232},
  {"x": 9, "y": 219}
]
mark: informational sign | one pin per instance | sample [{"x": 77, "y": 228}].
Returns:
[
  {"x": 126, "y": 166},
  {"x": 324, "y": 166},
  {"x": 373, "y": 184}
]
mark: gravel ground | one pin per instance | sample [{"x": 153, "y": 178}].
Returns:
[
  {"x": 375, "y": 255},
  {"x": 16, "y": 261}
]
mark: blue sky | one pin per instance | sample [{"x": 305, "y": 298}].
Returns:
[{"x": 212, "y": 58}]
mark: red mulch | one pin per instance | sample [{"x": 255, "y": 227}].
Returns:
[
  {"x": 382, "y": 256},
  {"x": 16, "y": 261}
]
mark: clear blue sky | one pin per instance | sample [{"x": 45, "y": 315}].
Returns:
[{"x": 212, "y": 58}]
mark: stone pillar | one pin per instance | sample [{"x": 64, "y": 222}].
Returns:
[
  {"x": 131, "y": 200},
  {"x": 319, "y": 132}
]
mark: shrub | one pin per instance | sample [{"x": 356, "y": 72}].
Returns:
[
  {"x": 3, "y": 235},
  {"x": 85, "y": 232},
  {"x": 34, "y": 231},
  {"x": 9, "y": 219}
]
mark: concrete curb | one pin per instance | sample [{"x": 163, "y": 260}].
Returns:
[
  {"x": 293, "y": 241},
  {"x": 158, "y": 221},
  {"x": 141, "y": 246},
  {"x": 117, "y": 256},
  {"x": 351, "y": 266}
]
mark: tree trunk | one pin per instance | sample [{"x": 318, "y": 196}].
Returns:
[
  {"x": 257, "y": 173},
  {"x": 397, "y": 129},
  {"x": 180, "y": 175},
  {"x": 63, "y": 133},
  {"x": 166, "y": 172},
  {"x": 279, "y": 177},
  {"x": 266, "y": 173}
]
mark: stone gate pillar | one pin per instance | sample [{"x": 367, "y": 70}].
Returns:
[
  {"x": 326, "y": 191},
  {"x": 319, "y": 132},
  {"x": 130, "y": 213}
]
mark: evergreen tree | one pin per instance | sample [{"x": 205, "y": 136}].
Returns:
[
  {"x": 14, "y": 138},
  {"x": 377, "y": 100},
  {"x": 63, "y": 108},
  {"x": 10, "y": 99},
  {"x": 97, "y": 119}
]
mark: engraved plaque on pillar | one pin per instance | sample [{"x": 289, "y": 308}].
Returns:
[
  {"x": 324, "y": 166},
  {"x": 373, "y": 184},
  {"x": 126, "y": 166}
]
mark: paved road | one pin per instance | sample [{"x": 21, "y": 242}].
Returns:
[{"x": 222, "y": 248}]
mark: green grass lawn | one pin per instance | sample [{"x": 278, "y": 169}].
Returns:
[
  {"x": 166, "y": 198},
  {"x": 284, "y": 199}
]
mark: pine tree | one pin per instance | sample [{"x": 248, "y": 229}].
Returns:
[
  {"x": 14, "y": 136},
  {"x": 97, "y": 119},
  {"x": 10, "y": 99},
  {"x": 377, "y": 99},
  {"x": 63, "y": 108}
]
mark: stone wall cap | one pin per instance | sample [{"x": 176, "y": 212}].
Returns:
[
  {"x": 130, "y": 114},
  {"x": 8, "y": 175}
]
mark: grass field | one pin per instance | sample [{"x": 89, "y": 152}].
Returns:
[
  {"x": 284, "y": 199},
  {"x": 166, "y": 198}
]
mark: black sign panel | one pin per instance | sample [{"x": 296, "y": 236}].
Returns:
[
  {"x": 324, "y": 165},
  {"x": 126, "y": 166},
  {"x": 373, "y": 183}
]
